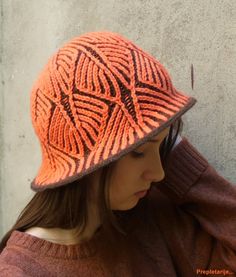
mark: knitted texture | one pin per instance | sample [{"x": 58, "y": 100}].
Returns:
[{"x": 98, "y": 97}]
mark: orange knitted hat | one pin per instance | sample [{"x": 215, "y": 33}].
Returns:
[{"x": 99, "y": 97}]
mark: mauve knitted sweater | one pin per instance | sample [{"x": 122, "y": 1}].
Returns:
[{"x": 192, "y": 231}]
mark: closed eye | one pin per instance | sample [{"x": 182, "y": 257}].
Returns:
[{"x": 137, "y": 154}]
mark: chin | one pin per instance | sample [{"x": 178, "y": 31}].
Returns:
[{"x": 126, "y": 207}]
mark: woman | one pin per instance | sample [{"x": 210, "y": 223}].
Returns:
[{"x": 119, "y": 191}]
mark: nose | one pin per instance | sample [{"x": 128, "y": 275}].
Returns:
[{"x": 154, "y": 171}]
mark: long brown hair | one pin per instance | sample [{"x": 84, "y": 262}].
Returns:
[{"x": 66, "y": 206}]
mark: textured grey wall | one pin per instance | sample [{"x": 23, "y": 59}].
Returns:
[{"x": 178, "y": 33}]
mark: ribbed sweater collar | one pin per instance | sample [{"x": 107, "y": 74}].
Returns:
[{"x": 46, "y": 248}]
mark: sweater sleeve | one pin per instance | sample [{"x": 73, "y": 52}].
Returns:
[{"x": 201, "y": 194}]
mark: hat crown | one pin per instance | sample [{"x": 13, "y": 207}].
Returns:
[{"x": 97, "y": 95}]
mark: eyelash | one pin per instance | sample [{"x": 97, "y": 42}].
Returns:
[
  {"x": 137, "y": 155},
  {"x": 140, "y": 155}
]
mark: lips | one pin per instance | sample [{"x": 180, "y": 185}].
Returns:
[
  {"x": 146, "y": 189},
  {"x": 141, "y": 193}
]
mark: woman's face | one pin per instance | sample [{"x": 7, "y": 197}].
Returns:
[
  {"x": 135, "y": 172},
  {"x": 132, "y": 173}
]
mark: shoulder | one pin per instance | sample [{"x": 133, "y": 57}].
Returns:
[
  {"x": 16, "y": 259},
  {"x": 8, "y": 270},
  {"x": 10, "y": 261}
]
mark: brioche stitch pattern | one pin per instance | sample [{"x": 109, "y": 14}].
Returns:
[{"x": 98, "y": 97}]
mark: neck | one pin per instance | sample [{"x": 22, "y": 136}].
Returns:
[{"x": 68, "y": 236}]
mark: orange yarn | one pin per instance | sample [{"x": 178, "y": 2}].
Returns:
[{"x": 98, "y": 97}]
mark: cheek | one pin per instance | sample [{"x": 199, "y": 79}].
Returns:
[
  {"x": 119, "y": 185},
  {"x": 122, "y": 197},
  {"x": 123, "y": 183},
  {"x": 126, "y": 176}
]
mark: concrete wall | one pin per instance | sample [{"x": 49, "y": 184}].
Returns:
[{"x": 178, "y": 33}]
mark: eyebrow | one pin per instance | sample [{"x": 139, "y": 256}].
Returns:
[
  {"x": 157, "y": 140},
  {"x": 152, "y": 140}
]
